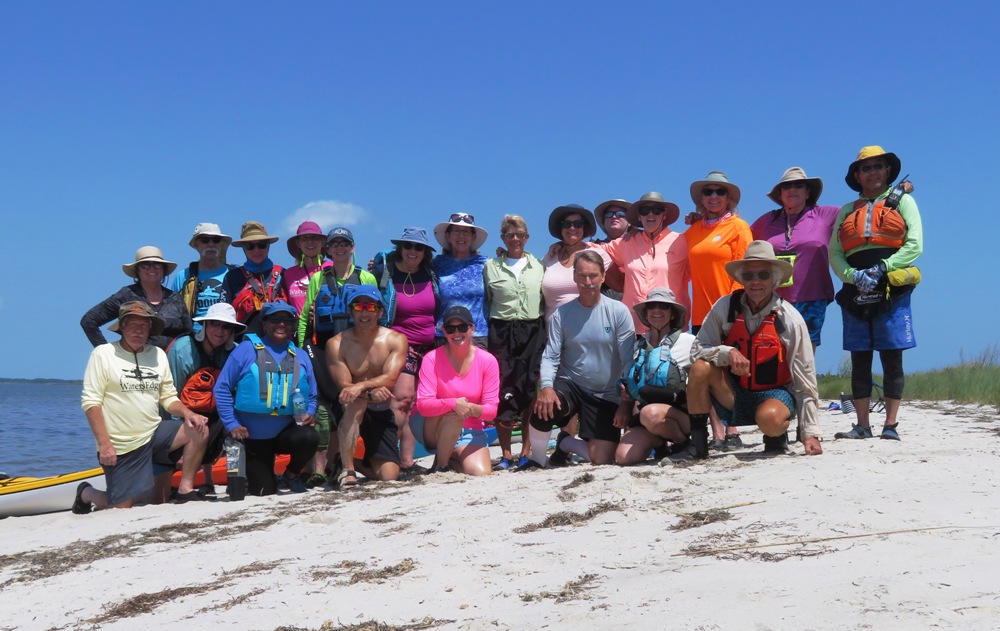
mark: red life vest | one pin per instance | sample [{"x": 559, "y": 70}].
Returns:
[
  {"x": 768, "y": 357},
  {"x": 874, "y": 224},
  {"x": 254, "y": 294}
]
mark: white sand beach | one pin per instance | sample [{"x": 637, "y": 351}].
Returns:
[{"x": 871, "y": 535}]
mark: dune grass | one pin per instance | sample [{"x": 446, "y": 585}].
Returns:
[{"x": 975, "y": 380}]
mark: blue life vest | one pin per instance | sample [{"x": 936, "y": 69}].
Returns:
[
  {"x": 266, "y": 388},
  {"x": 665, "y": 366},
  {"x": 331, "y": 310}
]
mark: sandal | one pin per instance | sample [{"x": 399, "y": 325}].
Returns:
[
  {"x": 344, "y": 484},
  {"x": 79, "y": 506},
  {"x": 315, "y": 480}
]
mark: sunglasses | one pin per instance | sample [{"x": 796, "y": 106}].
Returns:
[
  {"x": 461, "y": 328},
  {"x": 576, "y": 223},
  {"x": 878, "y": 166},
  {"x": 790, "y": 185},
  {"x": 617, "y": 214},
  {"x": 149, "y": 265},
  {"x": 515, "y": 235},
  {"x": 339, "y": 243},
  {"x": 749, "y": 276},
  {"x": 658, "y": 305},
  {"x": 209, "y": 239},
  {"x": 408, "y": 245},
  {"x": 365, "y": 306},
  {"x": 225, "y": 326},
  {"x": 708, "y": 192},
  {"x": 463, "y": 218},
  {"x": 261, "y": 245},
  {"x": 645, "y": 210},
  {"x": 282, "y": 321}
]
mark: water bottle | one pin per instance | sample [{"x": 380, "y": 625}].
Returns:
[
  {"x": 298, "y": 406},
  {"x": 236, "y": 469}
]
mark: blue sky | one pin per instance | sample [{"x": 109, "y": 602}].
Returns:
[{"x": 125, "y": 124}]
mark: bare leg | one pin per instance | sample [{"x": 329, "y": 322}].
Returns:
[
  {"x": 636, "y": 445},
  {"x": 772, "y": 417},
  {"x": 472, "y": 460},
  {"x": 348, "y": 431},
  {"x": 441, "y": 433},
  {"x": 402, "y": 401},
  {"x": 194, "y": 443},
  {"x": 601, "y": 451},
  {"x": 504, "y": 437}
]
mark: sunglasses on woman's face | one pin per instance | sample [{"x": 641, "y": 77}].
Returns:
[
  {"x": 365, "y": 306},
  {"x": 708, "y": 192},
  {"x": 463, "y": 218},
  {"x": 225, "y": 326},
  {"x": 645, "y": 210},
  {"x": 865, "y": 168},
  {"x": 658, "y": 305},
  {"x": 515, "y": 235},
  {"x": 790, "y": 185},
  {"x": 283, "y": 321},
  {"x": 576, "y": 223},
  {"x": 148, "y": 265},
  {"x": 461, "y": 328},
  {"x": 261, "y": 245},
  {"x": 407, "y": 245},
  {"x": 748, "y": 276},
  {"x": 617, "y": 213},
  {"x": 207, "y": 240}
]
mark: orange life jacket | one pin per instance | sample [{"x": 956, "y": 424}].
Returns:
[
  {"x": 874, "y": 224},
  {"x": 254, "y": 294},
  {"x": 768, "y": 357}
]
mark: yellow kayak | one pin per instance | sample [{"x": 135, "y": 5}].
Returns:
[{"x": 34, "y": 496}]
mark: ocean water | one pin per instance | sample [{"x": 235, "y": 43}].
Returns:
[{"x": 43, "y": 431}]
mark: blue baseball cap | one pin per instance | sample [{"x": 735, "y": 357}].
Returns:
[
  {"x": 339, "y": 233},
  {"x": 354, "y": 292},
  {"x": 278, "y": 306}
]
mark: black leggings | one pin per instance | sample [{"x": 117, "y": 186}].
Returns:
[
  {"x": 298, "y": 441},
  {"x": 892, "y": 373}
]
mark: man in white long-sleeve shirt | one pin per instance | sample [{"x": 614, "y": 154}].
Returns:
[
  {"x": 756, "y": 364},
  {"x": 590, "y": 347}
]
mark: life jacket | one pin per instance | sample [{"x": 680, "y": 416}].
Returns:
[
  {"x": 267, "y": 387},
  {"x": 665, "y": 366},
  {"x": 189, "y": 290},
  {"x": 872, "y": 224},
  {"x": 768, "y": 357},
  {"x": 254, "y": 294},
  {"x": 331, "y": 310},
  {"x": 197, "y": 392}
]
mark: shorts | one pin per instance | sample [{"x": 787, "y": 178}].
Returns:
[
  {"x": 744, "y": 410},
  {"x": 517, "y": 346},
  {"x": 474, "y": 437},
  {"x": 814, "y": 313},
  {"x": 166, "y": 460},
  {"x": 414, "y": 356},
  {"x": 887, "y": 330},
  {"x": 132, "y": 476},
  {"x": 597, "y": 416},
  {"x": 378, "y": 430}
]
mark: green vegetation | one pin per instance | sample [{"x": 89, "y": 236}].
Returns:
[{"x": 975, "y": 380}]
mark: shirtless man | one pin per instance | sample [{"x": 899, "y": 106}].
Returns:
[{"x": 365, "y": 362}]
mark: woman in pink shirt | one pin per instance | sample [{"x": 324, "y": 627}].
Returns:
[
  {"x": 306, "y": 248},
  {"x": 652, "y": 257},
  {"x": 458, "y": 390},
  {"x": 571, "y": 224}
]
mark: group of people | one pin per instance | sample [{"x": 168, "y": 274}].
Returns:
[{"x": 635, "y": 345}]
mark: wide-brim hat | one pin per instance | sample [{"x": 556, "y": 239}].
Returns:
[
  {"x": 149, "y": 254},
  {"x": 253, "y": 231},
  {"x": 662, "y": 294},
  {"x": 211, "y": 230},
  {"x": 462, "y": 220},
  {"x": 222, "y": 312},
  {"x": 601, "y": 210},
  {"x": 716, "y": 177},
  {"x": 670, "y": 210},
  {"x": 139, "y": 309},
  {"x": 556, "y": 218},
  {"x": 414, "y": 235},
  {"x": 306, "y": 227},
  {"x": 872, "y": 151},
  {"x": 796, "y": 174},
  {"x": 760, "y": 251}
]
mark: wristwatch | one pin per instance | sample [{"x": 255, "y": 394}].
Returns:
[{"x": 368, "y": 393}]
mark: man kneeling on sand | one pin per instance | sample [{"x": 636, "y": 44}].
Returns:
[
  {"x": 365, "y": 362},
  {"x": 123, "y": 387},
  {"x": 756, "y": 365}
]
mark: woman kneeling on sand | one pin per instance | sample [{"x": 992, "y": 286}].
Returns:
[{"x": 458, "y": 390}]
